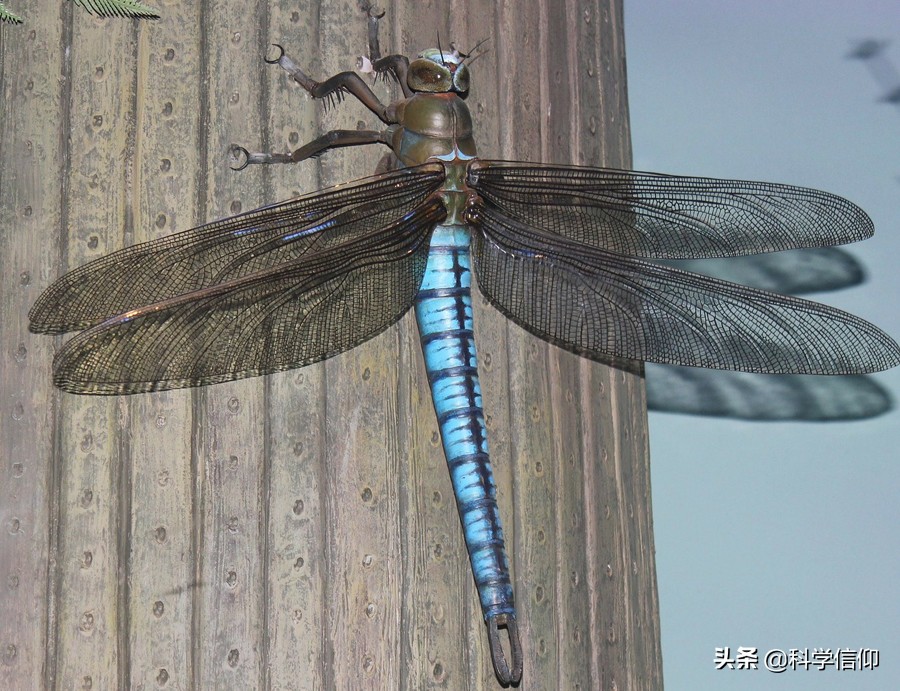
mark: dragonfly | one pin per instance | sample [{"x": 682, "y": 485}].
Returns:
[{"x": 566, "y": 252}]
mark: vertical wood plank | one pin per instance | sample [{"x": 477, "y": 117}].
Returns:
[
  {"x": 361, "y": 440},
  {"x": 162, "y": 558},
  {"x": 230, "y": 422},
  {"x": 92, "y": 462},
  {"x": 522, "y": 96},
  {"x": 627, "y": 609},
  {"x": 31, "y": 177},
  {"x": 562, "y": 143},
  {"x": 296, "y": 422}
]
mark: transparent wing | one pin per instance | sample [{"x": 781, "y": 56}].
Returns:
[
  {"x": 228, "y": 249},
  {"x": 664, "y": 216},
  {"x": 604, "y": 305},
  {"x": 278, "y": 318}
]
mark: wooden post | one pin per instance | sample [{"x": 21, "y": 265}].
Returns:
[{"x": 299, "y": 531}]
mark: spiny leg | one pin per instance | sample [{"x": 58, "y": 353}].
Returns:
[
  {"x": 334, "y": 87},
  {"x": 395, "y": 65}
]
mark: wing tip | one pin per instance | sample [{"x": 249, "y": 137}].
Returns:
[{"x": 82, "y": 385}]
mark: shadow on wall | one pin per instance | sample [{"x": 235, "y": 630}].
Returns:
[{"x": 743, "y": 396}]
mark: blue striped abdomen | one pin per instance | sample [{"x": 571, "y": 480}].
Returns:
[{"x": 444, "y": 314}]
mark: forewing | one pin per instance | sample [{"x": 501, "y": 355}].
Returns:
[
  {"x": 604, "y": 305},
  {"x": 299, "y": 312},
  {"x": 664, "y": 216},
  {"x": 228, "y": 249}
]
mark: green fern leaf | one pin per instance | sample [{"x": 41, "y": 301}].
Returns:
[
  {"x": 7, "y": 16},
  {"x": 118, "y": 8}
]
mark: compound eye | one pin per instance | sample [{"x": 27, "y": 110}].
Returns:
[
  {"x": 425, "y": 75},
  {"x": 461, "y": 79}
]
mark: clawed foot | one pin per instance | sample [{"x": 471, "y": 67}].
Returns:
[
  {"x": 239, "y": 152},
  {"x": 373, "y": 11},
  {"x": 280, "y": 55}
]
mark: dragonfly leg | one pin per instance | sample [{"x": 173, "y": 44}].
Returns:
[
  {"x": 338, "y": 138},
  {"x": 396, "y": 66},
  {"x": 239, "y": 152},
  {"x": 334, "y": 87},
  {"x": 507, "y": 674},
  {"x": 374, "y": 14},
  {"x": 314, "y": 149}
]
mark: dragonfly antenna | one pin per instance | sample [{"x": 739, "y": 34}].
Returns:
[
  {"x": 476, "y": 48},
  {"x": 439, "y": 49}
]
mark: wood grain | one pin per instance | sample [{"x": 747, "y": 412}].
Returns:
[{"x": 299, "y": 530}]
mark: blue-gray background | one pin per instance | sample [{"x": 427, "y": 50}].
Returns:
[{"x": 776, "y": 535}]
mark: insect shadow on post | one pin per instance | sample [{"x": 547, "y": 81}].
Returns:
[{"x": 561, "y": 250}]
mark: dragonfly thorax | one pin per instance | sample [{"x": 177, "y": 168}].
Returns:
[{"x": 432, "y": 125}]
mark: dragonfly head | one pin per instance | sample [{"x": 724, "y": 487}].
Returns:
[{"x": 439, "y": 71}]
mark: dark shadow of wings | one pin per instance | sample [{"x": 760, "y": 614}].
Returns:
[
  {"x": 229, "y": 249},
  {"x": 354, "y": 271},
  {"x": 761, "y": 397},
  {"x": 656, "y": 216},
  {"x": 740, "y": 395},
  {"x": 602, "y": 304},
  {"x": 791, "y": 272}
]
